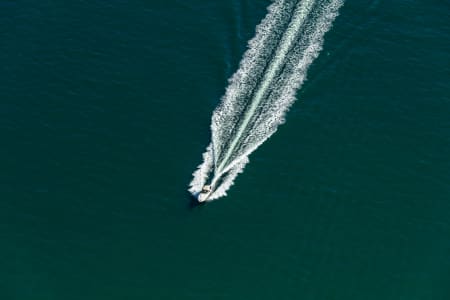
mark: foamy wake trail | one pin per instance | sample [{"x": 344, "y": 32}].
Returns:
[{"x": 263, "y": 88}]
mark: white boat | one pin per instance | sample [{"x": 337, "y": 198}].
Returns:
[{"x": 204, "y": 193}]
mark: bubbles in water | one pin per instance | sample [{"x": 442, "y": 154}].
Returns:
[{"x": 263, "y": 88}]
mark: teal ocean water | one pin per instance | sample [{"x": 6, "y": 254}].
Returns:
[{"x": 106, "y": 109}]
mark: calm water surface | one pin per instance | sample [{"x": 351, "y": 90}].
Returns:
[{"x": 105, "y": 109}]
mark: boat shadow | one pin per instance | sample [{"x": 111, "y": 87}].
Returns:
[{"x": 193, "y": 202}]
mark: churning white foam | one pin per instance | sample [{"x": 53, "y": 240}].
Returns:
[{"x": 271, "y": 71}]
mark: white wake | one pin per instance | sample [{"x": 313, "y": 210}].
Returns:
[{"x": 261, "y": 91}]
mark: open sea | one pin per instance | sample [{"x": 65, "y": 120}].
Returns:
[{"x": 105, "y": 110}]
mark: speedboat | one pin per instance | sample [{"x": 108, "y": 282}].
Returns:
[{"x": 204, "y": 193}]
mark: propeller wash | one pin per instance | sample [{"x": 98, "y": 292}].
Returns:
[{"x": 271, "y": 71}]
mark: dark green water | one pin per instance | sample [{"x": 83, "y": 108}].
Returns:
[{"x": 105, "y": 110}]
